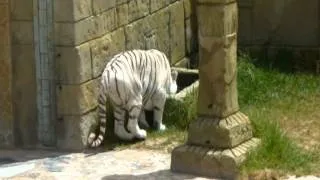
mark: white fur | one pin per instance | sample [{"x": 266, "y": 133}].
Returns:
[
  {"x": 130, "y": 83},
  {"x": 173, "y": 87}
]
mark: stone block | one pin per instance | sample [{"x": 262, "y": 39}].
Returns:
[
  {"x": 5, "y": 53},
  {"x": 4, "y": 25},
  {"x": 183, "y": 63},
  {"x": 158, "y": 35},
  {"x": 22, "y": 32},
  {"x": 122, "y": 11},
  {"x": 220, "y": 133},
  {"x": 223, "y": 20},
  {"x": 216, "y": 1},
  {"x": 305, "y": 59},
  {"x": 4, "y": 1},
  {"x": 191, "y": 39},
  {"x": 4, "y": 35},
  {"x": 187, "y": 5},
  {"x": 6, "y": 137},
  {"x": 285, "y": 22},
  {"x": 245, "y": 4},
  {"x": 218, "y": 74},
  {"x": 74, "y": 64},
  {"x": 172, "y": 1},
  {"x": 4, "y": 14},
  {"x": 177, "y": 32},
  {"x": 245, "y": 26},
  {"x": 21, "y": 10},
  {"x": 6, "y": 105},
  {"x": 24, "y": 94},
  {"x": 77, "y": 99},
  {"x": 121, "y": 1},
  {"x": 5, "y": 58},
  {"x": 189, "y": 36},
  {"x": 158, "y": 4},
  {"x": 138, "y": 9},
  {"x": 135, "y": 33},
  {"x": 72, "y": 10},
  {"x": 162, "y": 39},
  {"x": 215, "y": 163},
  {"x": 150, "y": 32},
  {"x": 6, "y": 113},
  {"x": 64, "y": 33},
  {"x": 102, "y": 5},
  {"x": 85, "y": 30},
  {"x": 104, "y": 48},
  {"x": 73, "y": 131}
]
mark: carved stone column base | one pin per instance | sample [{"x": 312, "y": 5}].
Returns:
[
  {"x": 220, "y": 133},
  {"x": 216, "y": 163}
]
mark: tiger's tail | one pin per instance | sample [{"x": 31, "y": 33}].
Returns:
[{"x": 92, "y": 140}]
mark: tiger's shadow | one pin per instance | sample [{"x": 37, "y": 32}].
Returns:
[{"x": 111, "y": 141}]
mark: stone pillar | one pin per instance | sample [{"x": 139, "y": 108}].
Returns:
[
  {"x": 6, "y": 106},
  {"x": 24, "y": 84},
  {"x": 220, "y": 138}
]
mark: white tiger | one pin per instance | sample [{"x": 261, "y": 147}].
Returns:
[{"x": 134, "y": 81}]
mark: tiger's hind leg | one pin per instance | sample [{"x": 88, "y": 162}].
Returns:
[
  {"x": 143, "y": 121},
  {"x": 134, "y": 110},
  {"x": 119, "y": 124},
  {"x": 158, "y": 101}
]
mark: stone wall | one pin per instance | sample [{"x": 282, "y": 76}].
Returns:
[
  {"x": 89, "y": 32},
  {"x": 6, "y": 113},
  {"x": 281, "y": 30},
  {"x": 17, "y": 74},
  {"x": 24, "y": 73}
]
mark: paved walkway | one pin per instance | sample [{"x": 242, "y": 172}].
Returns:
[{"x": 113, "y": 165}]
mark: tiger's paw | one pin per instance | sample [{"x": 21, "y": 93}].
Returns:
[
  {"x": 162, "y": 127},
  {"x": 142, "y": 134}
]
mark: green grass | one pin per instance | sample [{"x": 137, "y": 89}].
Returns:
[
  {"x": 277, "y": 151},
  {"x": 266, "y": 97},
  {"x": 177, "y": 114},
  {"x": 280, "y": 106}
]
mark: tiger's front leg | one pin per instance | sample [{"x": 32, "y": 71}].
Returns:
[{"x": 159, "y": 100}]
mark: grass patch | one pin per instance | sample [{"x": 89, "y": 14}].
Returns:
[
  {"x": 284, "y": 109},
  {"x": 277, "y": 151},
  {"x": 179, "y": 114},
  {"x": 267, "y": 96}
]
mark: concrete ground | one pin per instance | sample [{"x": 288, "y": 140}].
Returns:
[{"x": 112, "y": 165}]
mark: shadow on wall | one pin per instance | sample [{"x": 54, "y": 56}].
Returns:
[
  {"x": 193, "y": 52},
  {"x": 283, "y": 34},
  {"x": 285, "y": 60}
]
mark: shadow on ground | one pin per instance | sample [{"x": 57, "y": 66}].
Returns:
[
  {"x": 12, "y": 157},
  {"x": 162, "y": 174}
]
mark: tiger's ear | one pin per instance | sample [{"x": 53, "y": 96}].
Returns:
[{"x": 174, "y": 74}]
